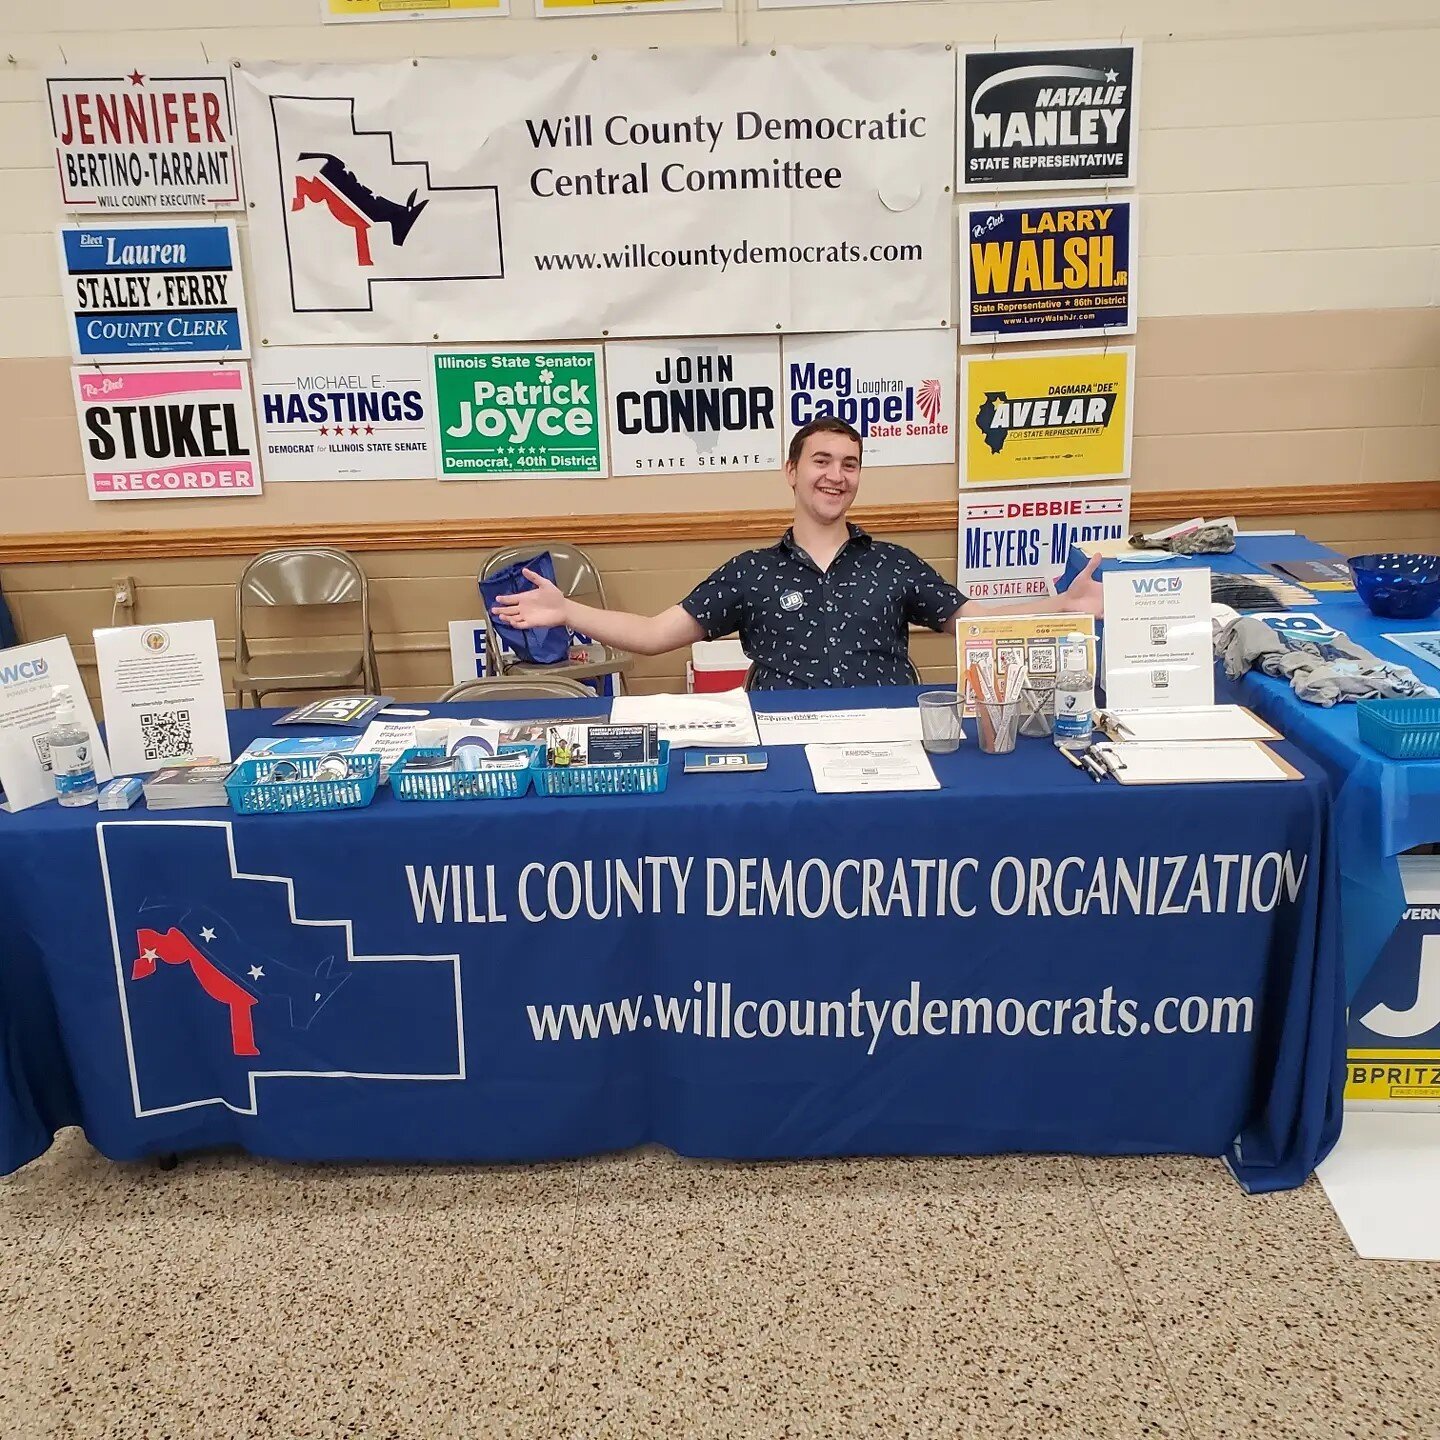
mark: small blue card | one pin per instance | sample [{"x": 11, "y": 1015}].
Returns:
[{"x": 722, "y": 762}]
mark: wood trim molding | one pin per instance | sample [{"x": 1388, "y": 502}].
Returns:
[{"x": 487, "y": 533}]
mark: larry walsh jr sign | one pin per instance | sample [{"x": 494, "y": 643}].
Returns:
[
  {"x": 623, "y": 194},
  {"x": 1060, "y": 115}
]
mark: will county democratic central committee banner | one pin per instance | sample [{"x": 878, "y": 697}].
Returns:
[{"x": 622, "y": 194}]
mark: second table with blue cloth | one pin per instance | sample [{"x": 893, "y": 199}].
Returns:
[{"x": 1022, "y": 960}]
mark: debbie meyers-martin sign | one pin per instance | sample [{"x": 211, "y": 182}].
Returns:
[{"x": 167, "y": 431}]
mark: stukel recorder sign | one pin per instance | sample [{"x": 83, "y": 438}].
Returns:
[
  {"x": 1062, "y": 115},
  {"x": 179, "y": 431},
  {"x": 142, "y": 141},
  {"x": 897, "y": 390},
  {"x": 352, "y": 413},
  {"x": 1047, "y": 415},
  {"x": 693, "y": 405},
  {"x": 1064, "y": 267}
]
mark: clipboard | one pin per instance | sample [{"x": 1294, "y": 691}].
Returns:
[
  {"x": 1139, "y": 762},
  {"x": 1200, "y": 724}
]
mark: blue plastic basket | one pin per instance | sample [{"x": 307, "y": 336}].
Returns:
[
  {"x": 250, "y": 794},
  {"x": 462, "y": 784},
  {"x": 605, "y": 779},
  {"x": 1401, "y": 729}
]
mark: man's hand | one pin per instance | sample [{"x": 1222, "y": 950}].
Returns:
[
  {"x": 544, "y": 605},
  {"x": 1086, "y": 595}
]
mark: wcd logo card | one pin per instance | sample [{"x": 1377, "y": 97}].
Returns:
[
  {"x": 528, "y": 410},
  {"x": 1394, "y": 1031},
  {"x": 1047, "y": 415}
]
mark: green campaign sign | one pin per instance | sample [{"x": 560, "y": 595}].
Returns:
[{"x": 533, "y": 411}]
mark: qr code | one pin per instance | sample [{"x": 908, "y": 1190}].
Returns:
[
  {"x": 1159, "y": 679},
  {"x": 42, "y": 749},
  {"x": 165, "y": 733},
  {"x": 1160, "y": 634}
]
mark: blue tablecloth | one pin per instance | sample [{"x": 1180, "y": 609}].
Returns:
[
  {"x": 1382, "y": 807},
  {"x": 1023, "y": 960}
]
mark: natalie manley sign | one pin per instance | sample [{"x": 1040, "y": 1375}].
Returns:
[
  {"x": 522, "y": 412},
  {"x": 1047, "y": 117},
  {"x": 354, "y": 413},
  {"x": 693, "y": 405},
  {"x": 167, "y": 432},
  {"x": 144, "y": 141},
  {"x": 624, "y": 194}
]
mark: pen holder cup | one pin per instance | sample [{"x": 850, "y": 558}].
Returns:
[
  {"x": 1037, "y": 711},
  {"x": 996, "y": 726},
  {"x": 941, "y": 715}
]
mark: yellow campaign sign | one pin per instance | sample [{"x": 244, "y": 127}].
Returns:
[
  {"x": 1392, "y": 1075},
  {"x": 337, "y": 11},
  {"x": 1047, "y": 415}
]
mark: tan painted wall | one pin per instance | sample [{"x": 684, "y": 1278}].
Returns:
[{"x": 414, "y": 595}]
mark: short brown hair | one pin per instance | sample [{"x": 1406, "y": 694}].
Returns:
[{"x": 826, "y": 424}]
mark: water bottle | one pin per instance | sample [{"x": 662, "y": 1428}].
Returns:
[
  {"x": 1074, "y": 694},
  {"x": 72, "y": 754}
]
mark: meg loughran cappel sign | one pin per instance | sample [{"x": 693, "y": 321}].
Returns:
[
  {"x": 167, "y": 431},
  {"x": 1047, "y": 117},
  {"x": 1046, "y": 415},
  {"x": 1048, "y": 269},
  {"x": 505, "y": 412}
]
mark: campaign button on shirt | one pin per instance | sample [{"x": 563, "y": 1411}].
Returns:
[{"x": 807, "y": 628}]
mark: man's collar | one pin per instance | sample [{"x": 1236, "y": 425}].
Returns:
[{"x": 788, "y": 542}]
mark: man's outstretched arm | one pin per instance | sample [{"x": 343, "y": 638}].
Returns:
[{"x": 639, "y": 634}]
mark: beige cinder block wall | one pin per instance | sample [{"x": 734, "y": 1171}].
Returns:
[{"x": 1289, "y": 278}]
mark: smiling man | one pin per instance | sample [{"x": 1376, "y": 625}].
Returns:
[{"x": 825, "y": 606}]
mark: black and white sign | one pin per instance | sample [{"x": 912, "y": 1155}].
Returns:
[
  {"x": 897, "y": 390},
  {"x": 1014, "y": 544},
  {"x": 1048, "y": 117},
  {"x": 345, "y": 413},
  {"x": 144, "y": 141},
  {"x": 693, "y": 405}
]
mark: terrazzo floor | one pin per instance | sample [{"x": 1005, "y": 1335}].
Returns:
[{"x": 642, "y": 1295}]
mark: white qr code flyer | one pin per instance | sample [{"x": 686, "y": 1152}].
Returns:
[{"x": 161, "y": 694}]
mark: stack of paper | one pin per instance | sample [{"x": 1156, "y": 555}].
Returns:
[
  {"x": 724, "y": 718},
  {"x": 187, "y": 787},
  {"x": 849, "y": 769},
  {"x": 1186, "y": 722},
  {"x": 1191, "y": 763}
]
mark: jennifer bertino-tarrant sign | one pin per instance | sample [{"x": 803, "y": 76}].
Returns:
[
  {"x": 694, "y": 405},
  {"x": 144, "y": 141},
  {"x": 532, "y": 411},
  {"x": 616, "y": 193},
  {"x": 171, "y": 431}
]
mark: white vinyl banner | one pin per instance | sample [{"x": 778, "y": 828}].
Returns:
[
  {"x": 694, "y": 405},
  {"x": 629, "y": 193}
]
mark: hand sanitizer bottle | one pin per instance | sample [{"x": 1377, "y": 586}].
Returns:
[
  {"x": 1074, "y": 694},
  {"x": 72, "y": 754}
]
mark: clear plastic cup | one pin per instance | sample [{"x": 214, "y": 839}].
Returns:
[
  {"x": 996, "y": 726},
  {"x": 941, "y": 714},
  {"x": 1037, "y": 711}
]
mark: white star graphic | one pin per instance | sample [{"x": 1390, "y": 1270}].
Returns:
[
  {"x": 1112, "y": 76},
  {"x": 257, "y": 972},
  {"x": 206, "y": 934},
  {"x": 149, "y": 955},
  {"x": 546, "y": 376}
]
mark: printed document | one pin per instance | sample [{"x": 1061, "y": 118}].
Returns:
[
  {"x": 720, "y": 719},
  {"x": 812, "y": 727},
  {"x": 850, "y": 769}
]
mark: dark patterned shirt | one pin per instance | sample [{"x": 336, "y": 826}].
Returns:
[{"x": 807, "y": 628}]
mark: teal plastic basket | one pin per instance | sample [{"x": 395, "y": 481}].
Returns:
[
  {"x": 1401, "y": 729},
  {"x": 251, "y": 794},
  {"x": 605, "y": 779},
  {"x": 411, "y": 784}
]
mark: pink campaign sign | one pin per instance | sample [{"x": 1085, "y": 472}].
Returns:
[{"x": 178, "y": 431}]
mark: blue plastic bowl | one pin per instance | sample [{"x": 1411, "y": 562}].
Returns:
[{"x": 1398, "y": 587}]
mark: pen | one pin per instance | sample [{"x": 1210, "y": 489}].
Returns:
[
  {"x": 1073, "y": 759},
  {"x": 1096, "y": 769}
]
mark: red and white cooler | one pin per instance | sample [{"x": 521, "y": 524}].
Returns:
[{"x": 715, "y": 665}]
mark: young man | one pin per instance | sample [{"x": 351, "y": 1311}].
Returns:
[{"x": 826, "y": 606}]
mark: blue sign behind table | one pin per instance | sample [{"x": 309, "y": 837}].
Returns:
[
  {"x": 1035, "y": 271},
  {"x": 140, "y": 292}
]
